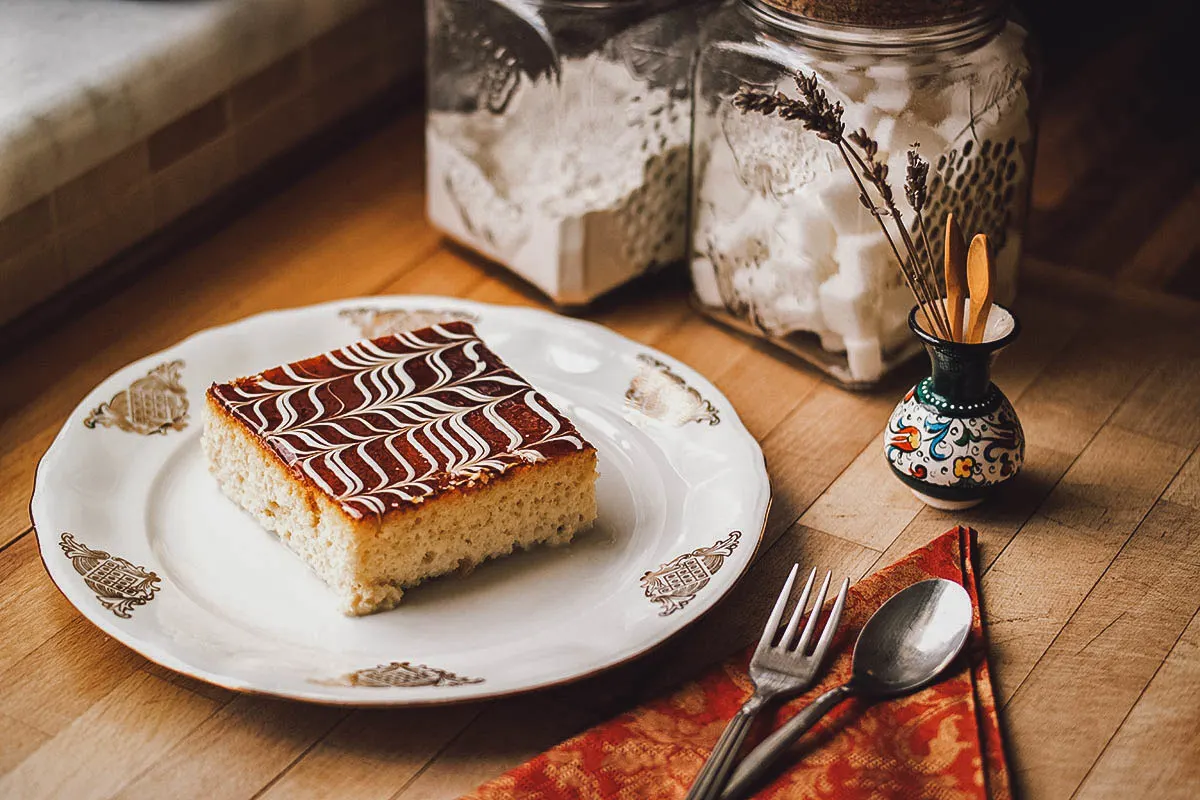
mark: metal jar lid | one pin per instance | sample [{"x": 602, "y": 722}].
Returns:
[{"x": 888, "y": 14}]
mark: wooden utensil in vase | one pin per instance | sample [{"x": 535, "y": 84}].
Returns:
[
  {"x": 981, "y": 275},
  {"x": 956, "y": 276}
]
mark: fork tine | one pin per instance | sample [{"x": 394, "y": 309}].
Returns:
[
  {"x": 802, "y": 645},
  {"x": 835, "y": 616},
  {"x": 790, "y": 633},
  {"x": 777, "y": 613}
]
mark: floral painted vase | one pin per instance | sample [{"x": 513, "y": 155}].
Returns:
[{"x": 955, "y": 437}]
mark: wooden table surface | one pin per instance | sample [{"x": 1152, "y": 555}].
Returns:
[{"x": 1092, "y": 559}]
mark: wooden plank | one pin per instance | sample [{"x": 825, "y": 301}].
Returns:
[
  {"x": 444, "y": 272},
  {"x": 506, "y": 734},
  {"x": 1166, "y": 405},
  {"x": 701, "y": 345},
  {"x": 1084, "y": 385},
  {"x": 78, "y": 656},
  {"x": 1039, "y": 580},
  {"x": 17, "y": 741},
  {"x": 804, "y": 459},
  {"x": 127, "y": 731},
  {"x": 998, "y": 520},
  {"x": 372, "y": 754},
  {"x": 1100, "y": 663},
  {"x": 1168, "y": 248},
  {"x": 645, "y": 311},
  {"x": 1065, "y": 149},
  {"x": 213, "y": 692},
  {"x": 866, "y": 504},
  {"x": 1154, "y": 752},
  {"x": 1154, "y": 176},
  {"x": 764, "y": 388},
  {"x": 31, "y": 609},
  {"x": 252, "y": 738},
  {"x": 1185, "y": 489},
  {"x": 1049, "y": 323}
]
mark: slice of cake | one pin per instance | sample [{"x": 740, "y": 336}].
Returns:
[{"x": 396, "y": 459}]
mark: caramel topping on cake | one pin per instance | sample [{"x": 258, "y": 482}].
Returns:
[{"x": 392, "y": 421}]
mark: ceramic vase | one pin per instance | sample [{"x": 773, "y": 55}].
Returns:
[{"x": 955, "y": 437}]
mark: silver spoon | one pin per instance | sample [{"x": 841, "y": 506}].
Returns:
[{"x": 904, "y": 646}]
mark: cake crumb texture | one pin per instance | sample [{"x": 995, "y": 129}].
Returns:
[{"x": 370, "y": 559}]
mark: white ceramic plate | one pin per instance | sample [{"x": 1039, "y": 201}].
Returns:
[{"x": 138, "y": 537}]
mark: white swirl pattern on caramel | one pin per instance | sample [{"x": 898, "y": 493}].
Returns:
[{"x": 356, "y": 450}]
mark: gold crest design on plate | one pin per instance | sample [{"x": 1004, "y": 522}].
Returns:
[
  {"x": 375, "y": 322},
  {"x": 401, "y": 675},
  {"x": 659, "y": 393},
  {"x": 119, "y": 585},
  {"x": 153, "y": 404},
  {"x": 676, "y": 583}
]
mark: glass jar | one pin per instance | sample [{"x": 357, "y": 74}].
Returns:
[
  {"x": 781, "y": 245},
  {"x": 557, "y": 135}
]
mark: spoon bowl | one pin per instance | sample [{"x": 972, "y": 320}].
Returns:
[
  {"x": 915, "y": 635},
  {"x": 905, "y": 645}
]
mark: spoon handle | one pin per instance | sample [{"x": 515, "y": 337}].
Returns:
[{"x": 755, "y": 766}]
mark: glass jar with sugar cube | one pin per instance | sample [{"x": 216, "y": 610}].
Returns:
[
  {"x": 781, "y": 245},
  {"x": 557, "y": 135}
]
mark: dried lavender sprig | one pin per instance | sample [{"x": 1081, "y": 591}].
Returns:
[
  {"x": 818, "y": 114},
  {"x": 877, "y": 173},
  {"x": 815, "y": 112},
  {"x": 916, "y": 191},
  {"x": 919, "y": 292},
  {"x": 827, "y": 117}
]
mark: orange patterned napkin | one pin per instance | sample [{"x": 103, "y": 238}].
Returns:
[{"x": 942, "y": 742}]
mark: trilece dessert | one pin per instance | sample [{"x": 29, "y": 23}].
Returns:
[{"x": 396, "y": 459}]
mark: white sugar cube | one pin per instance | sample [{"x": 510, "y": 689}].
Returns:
[
  {"x": 832, "y": 342},
  {"x": 794, "y": 313},
  {"x": 801, "y": 276},
  {"x": 892, "y": 96},
  {"x": 840, "y": 198},
  {"x": 847, "y": 307},
  {"x": 804, "y": 228},
  {"x": 868, "y": 258},
  {"x": 865, "y": 357},
  {"x": 893, "y": 318}
]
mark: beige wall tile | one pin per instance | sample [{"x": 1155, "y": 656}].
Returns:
[
  {"x": 91, "y": 193},
  {"x": 336, "y": 95},
  {"x": 186, "y": 184},
  {"x": 352, "y": 41},
  {"x": 272, "y": 132},
  {"x": 30, "y": 277},
  {"x": 121, "y": 223},
  {"x": 267, "y": 87},
  {"x": 187, "y": 134},
  {"x": 22, "y": 228}
]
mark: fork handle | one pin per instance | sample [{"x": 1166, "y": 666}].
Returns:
[
  {"x": 759, "y": 761},
  {"x": 715, "y": 772}
]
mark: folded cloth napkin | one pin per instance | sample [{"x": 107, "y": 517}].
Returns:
[{"x": 942, "y": 742}]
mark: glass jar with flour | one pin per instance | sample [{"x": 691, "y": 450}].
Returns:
[
  {"x": 781, "y": 245},
  {"x": 557, "y": 135}
]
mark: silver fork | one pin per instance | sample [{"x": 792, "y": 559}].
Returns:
[{"x": 777, "y": 671}]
